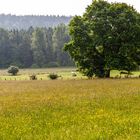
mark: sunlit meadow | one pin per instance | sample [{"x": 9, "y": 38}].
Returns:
[{"x": 100, "y": 109}]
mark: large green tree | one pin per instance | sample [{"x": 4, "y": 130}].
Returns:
[{"x": 106, "y": 37}]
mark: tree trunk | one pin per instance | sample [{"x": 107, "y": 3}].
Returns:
[
  {"x": 100, "y": 73},
  {"x": 107, "y": 73}
]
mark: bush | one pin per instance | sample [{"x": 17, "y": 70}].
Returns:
[
  {"x": 33, "y": 77},
  {"x": 53, "y": 76},
  {"x": 13, "y": 70}
]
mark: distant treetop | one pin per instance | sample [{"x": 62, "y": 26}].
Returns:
[{"x": 24, "y": 22}]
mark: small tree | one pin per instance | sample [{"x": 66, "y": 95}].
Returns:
[{"x": 13, "y": 70}]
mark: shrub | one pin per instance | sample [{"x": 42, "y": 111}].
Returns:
[
  {"x": 53, "y": 76},
  {"x": 13, "y": 70},
  {"x": 33, "y": 77}
]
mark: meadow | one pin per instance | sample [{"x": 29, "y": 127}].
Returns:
[
  {"x": 98, "y": 109},
  {"x": 63, "y": 72},
  {"x": 42, "y": 74}
]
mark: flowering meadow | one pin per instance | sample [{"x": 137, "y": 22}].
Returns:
[{"x": 99, "y": 109}]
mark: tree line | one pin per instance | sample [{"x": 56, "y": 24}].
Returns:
[
  {"x": 35, "y": 47},
  {"x": 24, "y": 22}
]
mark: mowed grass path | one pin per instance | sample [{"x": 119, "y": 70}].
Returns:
[{"x": 99, "y": 109}]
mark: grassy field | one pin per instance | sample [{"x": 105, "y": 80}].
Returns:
[
  {"x": 42, "y": 74},
  {"x": 99, "y": 109}
]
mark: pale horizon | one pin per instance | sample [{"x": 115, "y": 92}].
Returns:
[{"x": 52, "y": 7}]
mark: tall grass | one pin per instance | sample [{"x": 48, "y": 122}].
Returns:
[{"x": 70, "y": 110}]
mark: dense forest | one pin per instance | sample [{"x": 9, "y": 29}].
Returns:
[
  {"x": 34, "y": 47},
  {"x": 24, "y": 22}
]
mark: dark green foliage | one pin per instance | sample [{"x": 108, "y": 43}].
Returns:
[
  {"x": 60, "y": 37},
  {"x": 106, "y": 37},
  {"x": 13, "y": 70},
  {"x": 39, "y": 47},
  {"x": 35, "y": 47},
  {"x": 53, "y": 76}
]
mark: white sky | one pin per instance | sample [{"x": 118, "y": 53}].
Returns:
[{"x": 51, "y": 7}]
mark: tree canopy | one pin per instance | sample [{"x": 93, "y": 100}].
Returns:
[
  {"x": 106, "y": 37},
  {"x": 35, "y": 47}
]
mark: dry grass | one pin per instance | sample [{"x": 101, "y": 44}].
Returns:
[{"x": 70, "y": 109}]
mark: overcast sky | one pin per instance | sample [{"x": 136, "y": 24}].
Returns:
[{"x": 51, "y": 7}]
